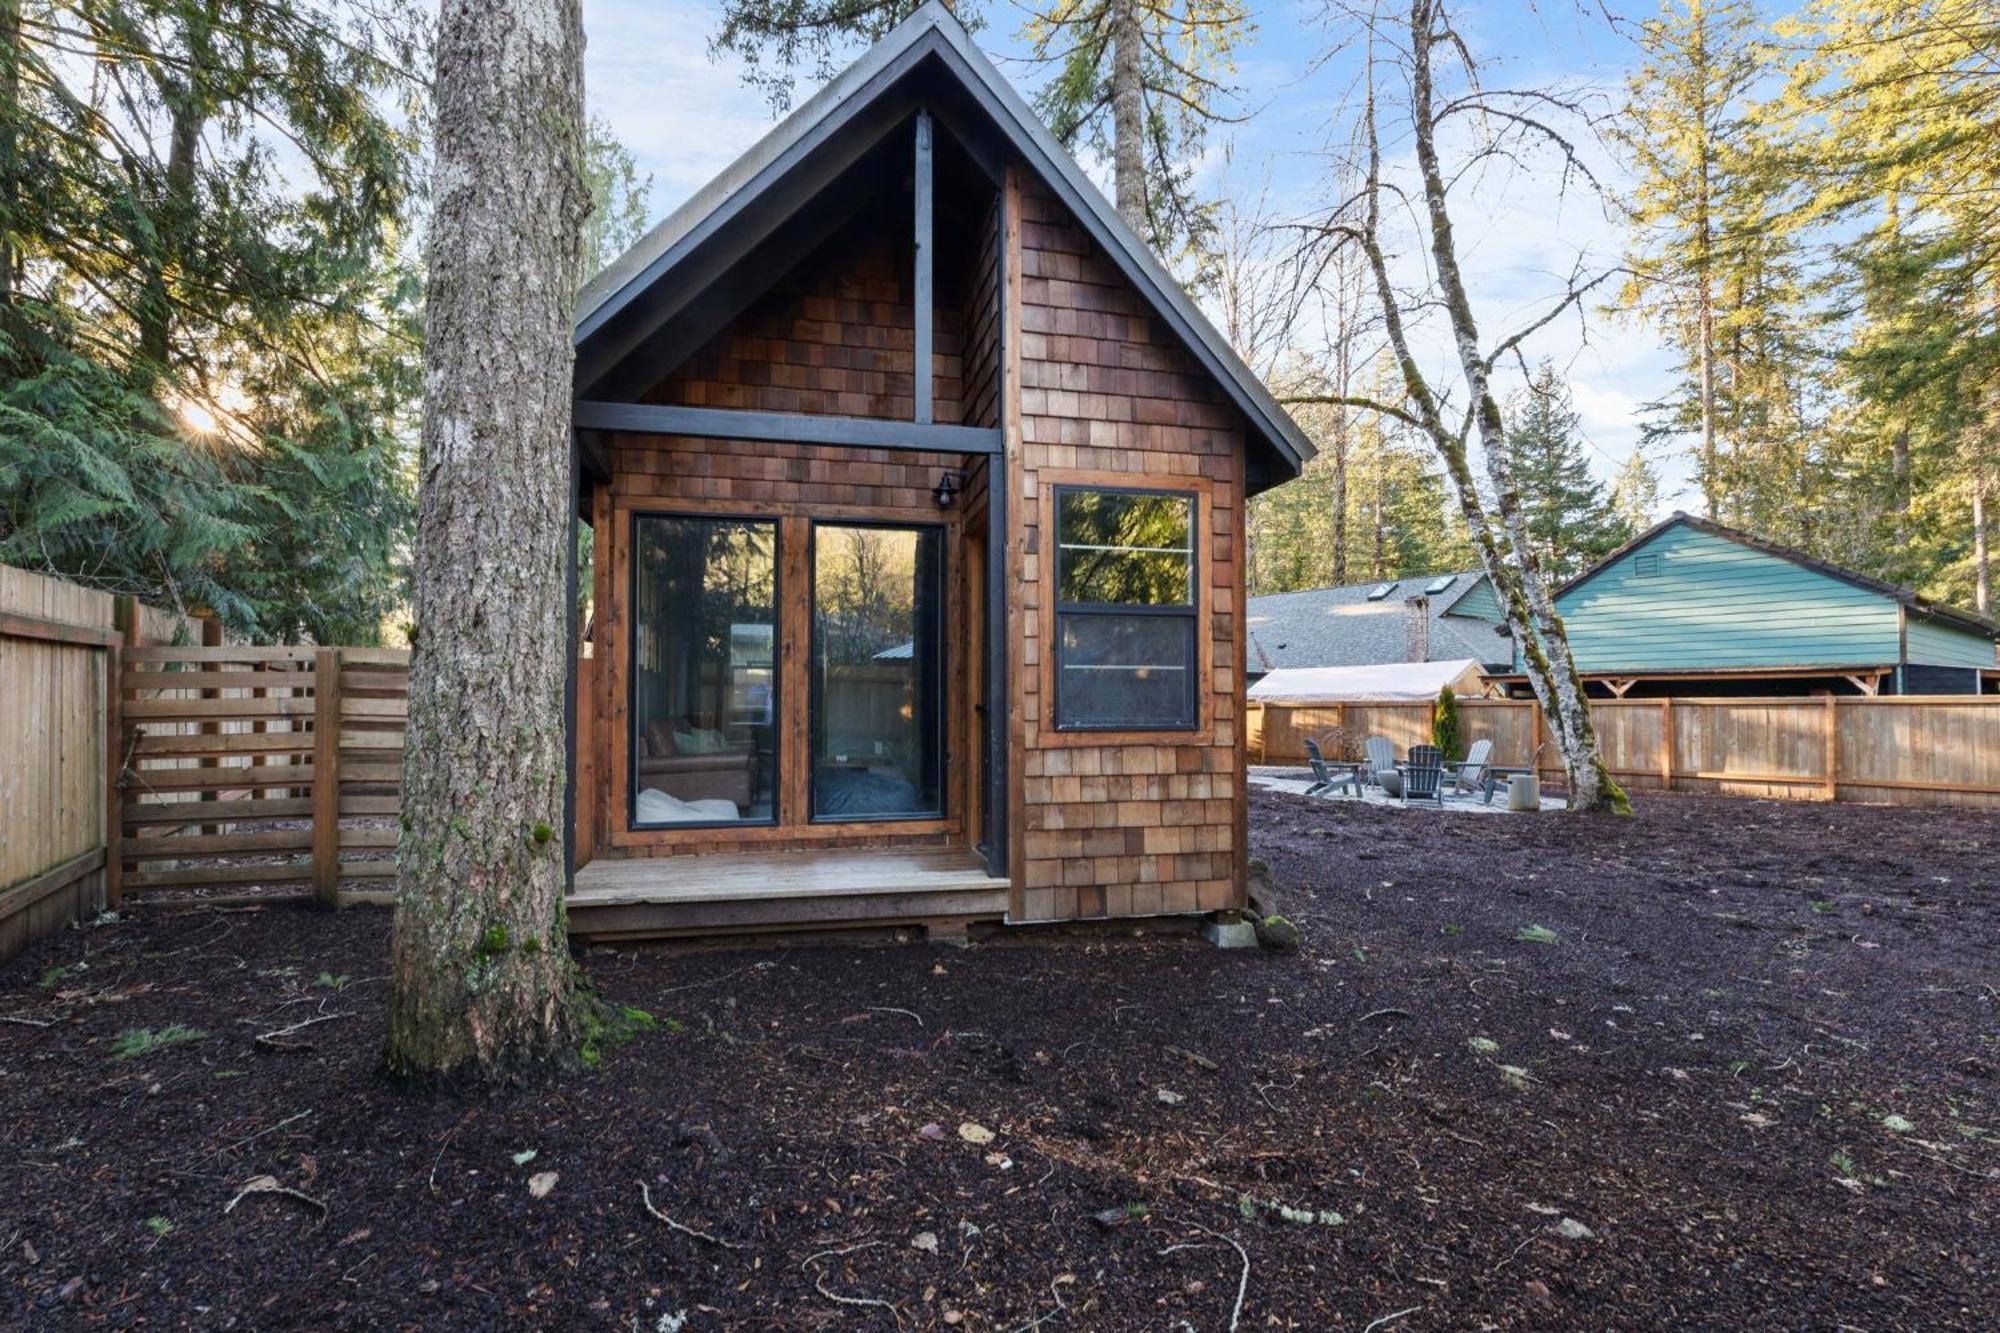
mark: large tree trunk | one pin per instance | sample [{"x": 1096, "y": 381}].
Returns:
[
  {"x": 1982, "y": 563},
  {"x": 1128, "y": 130},
  {"x": 482, "y": 982}
]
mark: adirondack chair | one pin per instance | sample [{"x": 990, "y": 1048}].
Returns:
[
  {"x": 1380, "y": 770},
  {"x": 1463, "y": 779},
  {"x": 1423, "y": 775},
  {"x": 1325, "y": 780}
]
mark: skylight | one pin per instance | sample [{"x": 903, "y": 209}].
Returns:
[
  {"x": 1380, "y": 590},
  {"x": 1436, "y": 586}
]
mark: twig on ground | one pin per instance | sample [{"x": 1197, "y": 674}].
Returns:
[
  {"x": 28, "y": 1022},
  {"x": 819, "y": 1283},
  {"x": 252, "y": 1138},
  {"x": 448, "y": 1136},
  {"x": 270, "y": 1185},
  {"x": 1385, "y": 1013},
  {"x": 1391, "y": 1318},
  {"x": 269, "y": 1040},
  {"x": 890, "y": 1009},
  {"x": 1242, "y": 1282},
  {"x": 646, "y": 1197}
]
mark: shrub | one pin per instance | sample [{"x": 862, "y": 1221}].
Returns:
[{"x": 1445, "y": 731}]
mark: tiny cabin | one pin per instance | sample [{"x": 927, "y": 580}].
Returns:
[
  {"x": 916, "y": 490},
  {"x": 1695, "y": 607}
]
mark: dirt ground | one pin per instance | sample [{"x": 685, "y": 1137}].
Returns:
[{"x": 1725, "y": 1064}]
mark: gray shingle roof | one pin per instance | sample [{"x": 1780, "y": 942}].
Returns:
[{"x": 1332, "y": 627}]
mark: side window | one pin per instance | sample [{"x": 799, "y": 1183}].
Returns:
[{"x": 1126, "y": 618}]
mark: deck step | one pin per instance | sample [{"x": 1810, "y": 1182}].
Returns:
[{"x": 809, "y": 890}]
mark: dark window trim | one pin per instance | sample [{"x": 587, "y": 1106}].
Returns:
[
  {"x": 776, "y": 524},
  {"x": 1189, "y": 611},
  {"x": 813, "y": 525}
]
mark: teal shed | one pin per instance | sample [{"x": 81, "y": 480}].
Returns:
[{"x": 1694, "y": 606}]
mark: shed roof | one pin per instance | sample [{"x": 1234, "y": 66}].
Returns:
[
  {"x": 1394, "y": 680},
  {"x": 1903, "y": 596},
  {"x": 1345, "y": 627},
  {"x": 932, "y": 37}
]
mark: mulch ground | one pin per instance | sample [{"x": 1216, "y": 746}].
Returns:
[{"x": 1725, "y": 1064}]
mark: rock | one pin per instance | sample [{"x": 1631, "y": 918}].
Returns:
[
  {"x": 1571, "y": 1229},
  {"x": 926, "y": 1241},
  {"x": 29, "y": 1254},
  {"x": 1169, "y": 1098},
  {"x": 1262, "y": 890},
  {"x": 931, "y": 1131},
  {"x": 1278, "y": 934},
  {"x": 541, "y": 1183},
  {"x": 1108, "y": 1218},
  {"x": 973, "y": 1132},
  {"x": 1233, "y": 933}
]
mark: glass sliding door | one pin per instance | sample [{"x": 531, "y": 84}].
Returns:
[
  {"x": 704, "y": 671},
  {"x": 878, "y": 672}
]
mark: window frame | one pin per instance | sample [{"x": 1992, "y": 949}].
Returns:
[
  {"x": 633, "y": 824},
  {"x": 1190, "y": 611},
  {"x": 944, "y": 699}
]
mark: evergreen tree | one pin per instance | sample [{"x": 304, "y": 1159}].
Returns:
[
  {"x": 1140, "y": 82},
  {"x": 207, "y": 362},
  {"x": 1569, "y": 518},
  {"x": 618, "y": 196},
  {"x": 1635, "y": 494}
]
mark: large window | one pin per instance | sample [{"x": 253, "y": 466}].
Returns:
[
  {"x": 877, "y": 685},
  {"x": 1125, "y": 611},
  {"x": 704, "y": 671}
]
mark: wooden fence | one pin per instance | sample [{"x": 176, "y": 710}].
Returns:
[
  {"x": 254, "y": 769},
  {"x": 1912, "y": 750},
  {"x": 60, "y": 649}
]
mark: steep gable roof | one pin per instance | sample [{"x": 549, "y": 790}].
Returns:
[
  {"x": 1902, "y": 596},
  {"x": 930, "y": 38}
]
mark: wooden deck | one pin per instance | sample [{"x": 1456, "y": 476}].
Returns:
[{"x": 940, "y": 888}]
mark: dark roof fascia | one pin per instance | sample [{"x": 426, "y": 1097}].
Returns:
[
  {"x": 931, "y": 32},
  {"x": 1901, "y": 596}
]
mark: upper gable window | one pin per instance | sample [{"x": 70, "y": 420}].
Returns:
[{"x": 1125, "y": 610}]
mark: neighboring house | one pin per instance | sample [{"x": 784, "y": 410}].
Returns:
[
  {"x": 917, "y": 487},
  {"x": 1304, "y": 686},
  {"x": 1430, "y": 618},
  {"x": 1693, "y": 607}
]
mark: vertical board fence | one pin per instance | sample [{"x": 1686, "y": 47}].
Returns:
[
  {"x": 256, "y": 769},
  {"x": 1907, "y": 750}
]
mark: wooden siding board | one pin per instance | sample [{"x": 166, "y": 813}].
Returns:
[
  {"x": 1144, "y": 823},
  {"x": 1715, "y": 603},
  {"x": 1932, "y": 644}
]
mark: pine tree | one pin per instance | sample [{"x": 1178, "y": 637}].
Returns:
[
  {"x": 1570, "y": 519},
  {"x": 1635, "y": 494}
]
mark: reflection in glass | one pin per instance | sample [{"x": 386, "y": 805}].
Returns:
[
  {"x": 704, "y": 675},
  {"x": 1125, "y": 633},
  {"x": 877, "y": 673}
]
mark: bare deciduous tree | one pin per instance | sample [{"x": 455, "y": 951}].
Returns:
[{"x": 1412, "y": 49}]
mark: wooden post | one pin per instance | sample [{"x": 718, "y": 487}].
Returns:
[
  {"x": 1667, "y": 744},
  {"x": 1832, "y": 786},
  {"x": 326, "y": 777},
  {"x": 125, "y": 618},
  {"x": 211, "y": 637}
]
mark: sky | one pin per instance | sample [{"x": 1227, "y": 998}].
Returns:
[{"x": 685, "y": 116}]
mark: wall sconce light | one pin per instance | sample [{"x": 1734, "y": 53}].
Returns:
[{"x": 948, "y": 487}]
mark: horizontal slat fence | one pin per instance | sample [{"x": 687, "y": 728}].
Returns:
[
  {"x": 1909, "y": 750},
  {"x": 257, "y": 769}
]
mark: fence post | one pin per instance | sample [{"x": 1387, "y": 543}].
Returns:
[
  {"x": 1832, "y": 747},
  {"x": 1667, "y": 744},
  {"x": 326, "y": 777},
  {"x": 125, "y": 619}
]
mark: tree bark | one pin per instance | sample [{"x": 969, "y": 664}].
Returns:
[
  {"x": 482, "y": 986},
  {"x": 1982, "y": 564},
  {"x": 1128, "y": 130},
  {"x": 173, "y": 210},
  {"x": 10, "y": 120}
]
